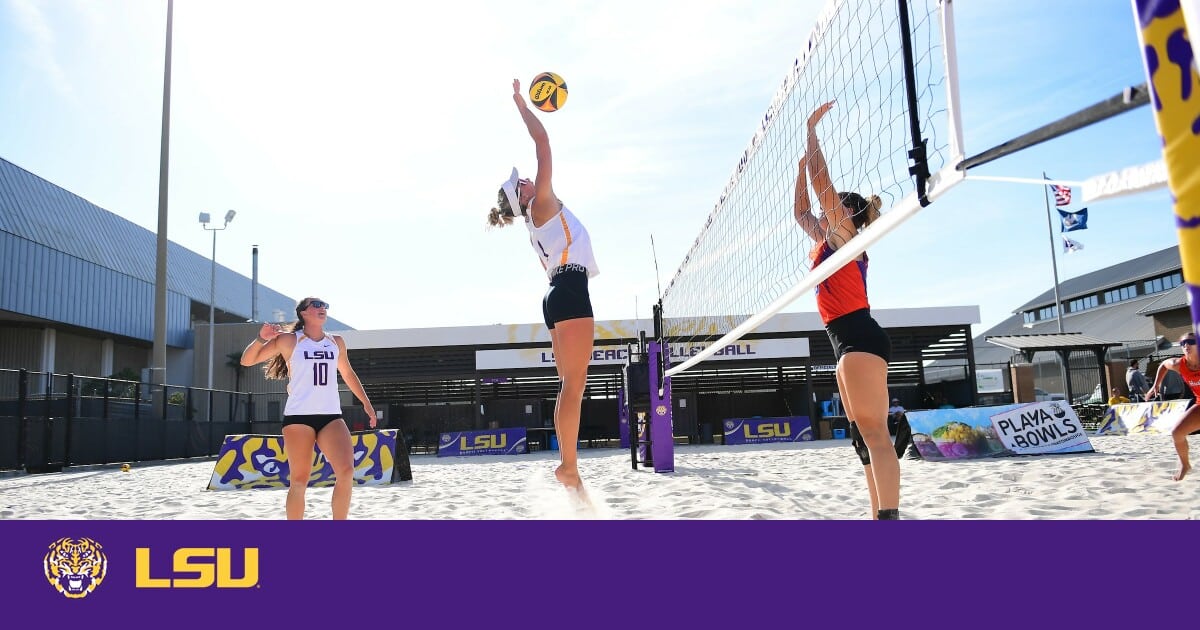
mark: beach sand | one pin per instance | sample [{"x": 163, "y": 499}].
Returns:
[{"x": 1128, "y": 477}]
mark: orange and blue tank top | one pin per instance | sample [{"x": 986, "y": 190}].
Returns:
[
  {"x": 1190, "y": 376},
  {"x": 845, "y": 291}
]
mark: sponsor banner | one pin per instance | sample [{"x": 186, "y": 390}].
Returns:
[
  {"x": 989, "y": 381},
  {"x": 1148, "y": 417},
  {"x": 188, "y": 573},
  {"x": 979, "y": 432},
  {"x": 247, "y": 462},
  {"x": 489, "y": 442},
  {"x": 514, "y": 358},
  {"x": 762, "y": 430}
]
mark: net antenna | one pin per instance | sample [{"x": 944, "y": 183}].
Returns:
[{"x": 894, "y": 131}]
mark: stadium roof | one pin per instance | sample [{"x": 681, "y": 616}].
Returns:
[{"x": 47, "y": 215}]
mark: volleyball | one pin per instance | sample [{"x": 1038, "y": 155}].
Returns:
[
  {"x": 548, "y": 92},
  {"x": 124, "y": 467}
]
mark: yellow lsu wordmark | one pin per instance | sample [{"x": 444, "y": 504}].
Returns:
[
  {"x": 201, "y": 567},
  {"x": 484, "y": 441},
  {"x": 778, "y": 429}
]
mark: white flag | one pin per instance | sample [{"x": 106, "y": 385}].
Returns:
[{"x": 1071, "y": 246}]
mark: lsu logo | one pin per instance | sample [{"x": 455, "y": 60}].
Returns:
[
  {"x": 484, "y": 441},
  {"x": 75, "y": 567},
  {"x": 200, "y": 567},
  {"x": 768, "y": 430}
]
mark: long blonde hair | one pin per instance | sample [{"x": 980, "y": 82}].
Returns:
[{"x": 503, "y": 214}]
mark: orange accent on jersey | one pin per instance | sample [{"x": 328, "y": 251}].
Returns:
[
  {"x": 843, "y": 292},
  {"x": 566, "y": 231},
  {"x": 1191, "y": 377}
]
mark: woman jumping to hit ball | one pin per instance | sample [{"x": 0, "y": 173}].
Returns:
[
  {"x": 565, "y": 251},
  {"x": 311, "y": 360},
  {"x": 862, "y": 347}
]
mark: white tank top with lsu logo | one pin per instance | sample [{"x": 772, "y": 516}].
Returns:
[
  {"x": 562, "y": 240},
  {"x": 313, "y": 383}
]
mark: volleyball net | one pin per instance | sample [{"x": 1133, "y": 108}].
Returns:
[{"x": 893, "y": 132}]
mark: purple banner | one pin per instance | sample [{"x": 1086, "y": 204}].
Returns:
[
  {"x": 762, "y": 430},
  {"x": 205, "y": 573},
  {"x": 489, "y": 442}
]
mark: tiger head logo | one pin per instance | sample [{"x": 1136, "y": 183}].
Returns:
[{"x": 75, "y": 567}]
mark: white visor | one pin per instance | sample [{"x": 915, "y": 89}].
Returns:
[{"x": 510, "y": 191}]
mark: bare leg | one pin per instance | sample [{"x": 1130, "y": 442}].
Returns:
[
  {"x": 338, "y": 448},
  {"x": 871, "y": 491},
  {"x": 864, "y": 377},
  {"x": 1190, "y": 422},
  {"x": 298, "y": 441},
  {"x": 575, "y": 337}
]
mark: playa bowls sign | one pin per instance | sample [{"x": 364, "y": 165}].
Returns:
[{"x": 978, "y": 432}]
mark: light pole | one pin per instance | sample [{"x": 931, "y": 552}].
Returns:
[{"x": 212, "y": 286}]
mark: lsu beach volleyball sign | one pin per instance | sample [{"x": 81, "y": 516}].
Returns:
[
  {"x": 248, "y": 462},
  {"x": 979, "y": 432},
  {"x": 489, "y": 442},
  {"x": 1150, "y": 417},
  {"x": 763, "y": 430}
]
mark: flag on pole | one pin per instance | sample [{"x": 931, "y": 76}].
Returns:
[
  {"x": 1071, "y": 246},
  {"x": 1072, "y": 221},
  {"x": 1062, "y": 194}
]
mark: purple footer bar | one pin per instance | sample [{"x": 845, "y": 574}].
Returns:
[{"x": 542, "y": 573}]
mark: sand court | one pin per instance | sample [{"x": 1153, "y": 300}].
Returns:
[{"x": 1128, "y": 477}]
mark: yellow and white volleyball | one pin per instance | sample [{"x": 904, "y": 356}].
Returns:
[
  {"x": 124, "y": 467},
  {"x": 548, "y": 92}
]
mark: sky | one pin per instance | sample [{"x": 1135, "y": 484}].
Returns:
[{"x": 362, "y": 143}]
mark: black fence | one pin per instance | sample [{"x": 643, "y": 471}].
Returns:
[{"x": 48, "y": 421}]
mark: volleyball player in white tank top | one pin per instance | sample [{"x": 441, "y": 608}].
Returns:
[
  {"x": 311, "y": 360},
  {"x": 565, "y": 251}
]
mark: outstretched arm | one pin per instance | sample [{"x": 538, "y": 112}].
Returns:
[
  {"x": 814, "y": 227},
  {"x": 351, "y": 379},
  {"x": 546, "y": 203},
  {"x": 817, "y": 169},
  {"x": 1163, "y": 368}
]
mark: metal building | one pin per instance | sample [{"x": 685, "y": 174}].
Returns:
[{"x": 77, "y": 288}]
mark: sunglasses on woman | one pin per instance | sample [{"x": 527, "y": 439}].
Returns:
[
  {"x": 317, "y": 303},
  {"x": 1183, "y": 343}
]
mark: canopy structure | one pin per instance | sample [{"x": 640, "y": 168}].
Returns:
[{"x": 1061, "y": 343}]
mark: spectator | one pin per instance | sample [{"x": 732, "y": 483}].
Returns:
[
  {"x": 894, "y": 414},
  {"x": 1136, "y": 382},
  {"x": 1117, "y": 398}
]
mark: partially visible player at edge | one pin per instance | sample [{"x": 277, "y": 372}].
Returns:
[{"x": 1188, "y": 366}]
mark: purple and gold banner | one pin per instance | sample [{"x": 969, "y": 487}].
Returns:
[
  {"x": 1171, "y": 72},
  {"x": 1149, "y": 417},
  {"x": 248, "y": 462},
  {"x": 208, "y": 573},
  {"x": 763, "y": 430},
  {"x": 489, "y": 442}
]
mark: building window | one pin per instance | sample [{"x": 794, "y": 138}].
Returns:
[
  {"x": 1050, "y": 312},
  {"x": 1127, "y": 292},
  {"x": 1083, "y": 303},
  {"x": 1030, "y": 317},
  {"x": 1164, "y": 283}
]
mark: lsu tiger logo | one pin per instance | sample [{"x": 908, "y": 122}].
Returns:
[{"x": 75, "y": 567}]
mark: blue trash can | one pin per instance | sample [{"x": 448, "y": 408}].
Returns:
[
  {"x": 839, "y": 434},
  {"x": 554, "y": 442}
]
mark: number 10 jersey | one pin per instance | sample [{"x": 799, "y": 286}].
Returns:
[{"x": 313, "y": 384}]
